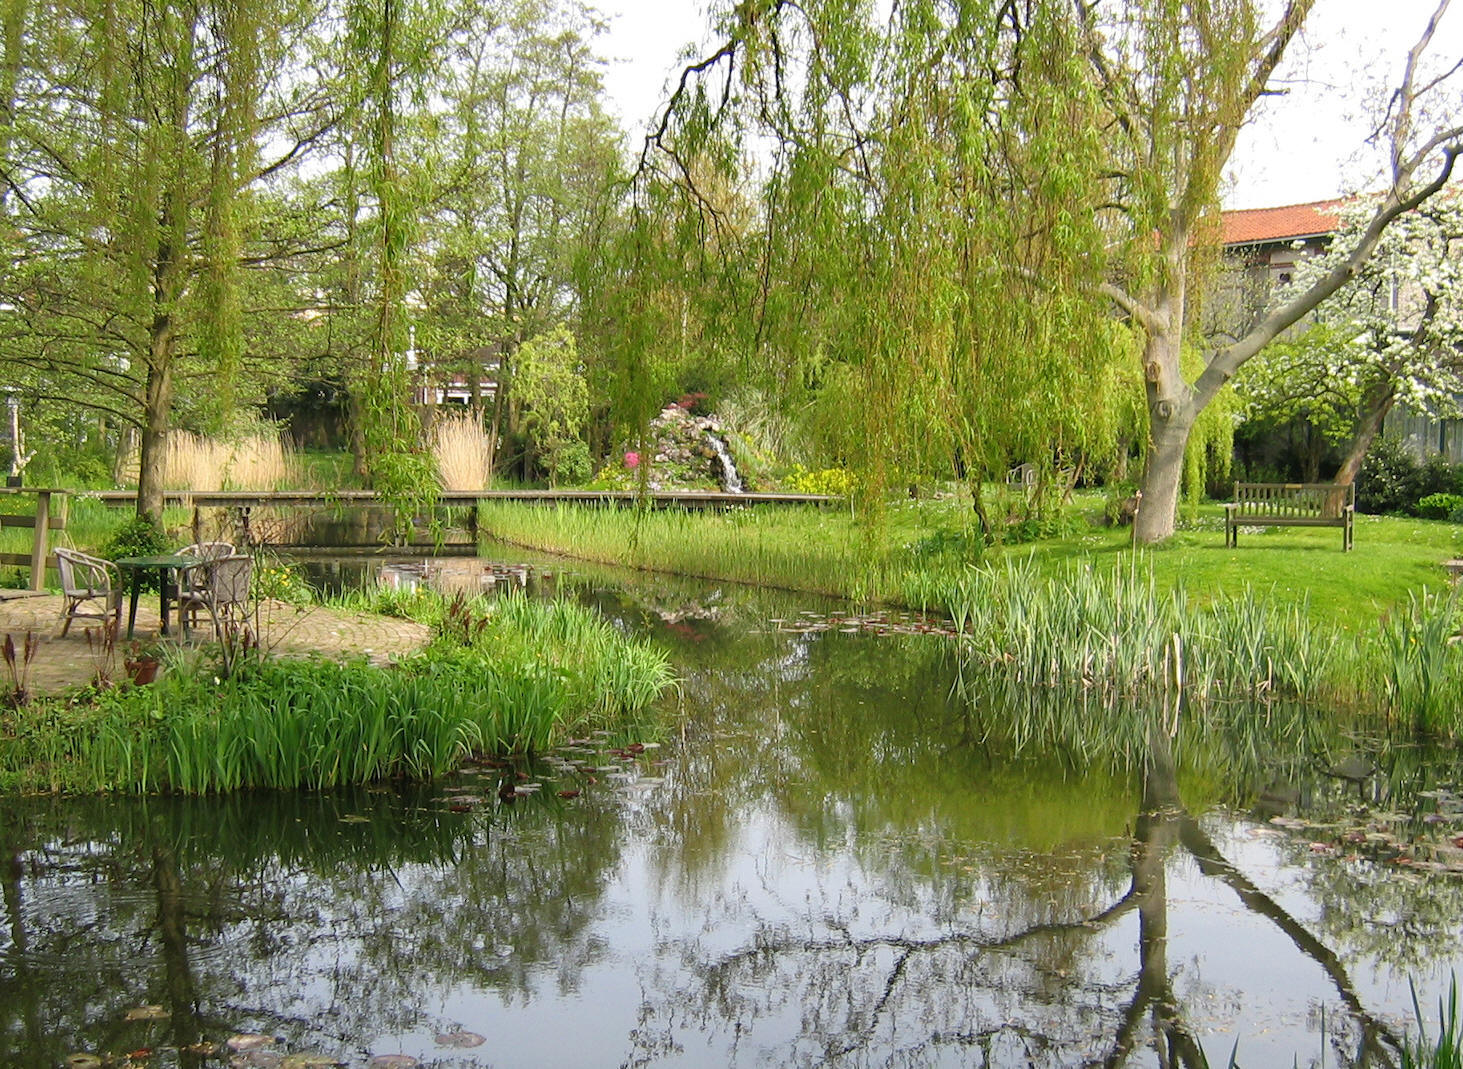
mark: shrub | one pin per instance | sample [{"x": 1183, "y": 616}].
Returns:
[
  {"x": 1390, "y": 479},
  {"x": 1440, "y": 506},
  {"x": 696, "y": 402},
  {"x": 138, "y": 537},
  {"x": 836, "y": 482},
  {"x": 573, "y": 461}
]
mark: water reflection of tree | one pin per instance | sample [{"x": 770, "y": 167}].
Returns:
[
  {"x": 934, "y": 786},
  {"x": 323, "y": 918},
  {"x": 998, "y": 986}
]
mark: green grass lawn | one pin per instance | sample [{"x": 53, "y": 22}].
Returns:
[
  {"x": 827, "y": 551},
  {"x": 1392, "y": 557}
]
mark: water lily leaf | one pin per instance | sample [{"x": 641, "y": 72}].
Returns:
[
  {"x": 257, "y": 1059},
  {"x": 392, "y": 1061},
  {"x": 83, "y": 1061},
  {"x": 248, "y": 1041},
  {"x": 461, "y": 1039},
  {"x": 309, "y": 1061},
  {"x": 147, "y": 1013}
]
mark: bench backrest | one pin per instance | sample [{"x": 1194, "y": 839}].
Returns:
[{"x": 1293, "y": 499}]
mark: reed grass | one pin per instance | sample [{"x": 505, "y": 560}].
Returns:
[
  {"x": 1444, "y": 1052},
  {"x": 815, "y": 550},
  {"x": 463, "y": 452},
  {"x": 253, "y": 462},
  {"x": 1114, "y": 631},
  {"x": 532, "y": 673}
]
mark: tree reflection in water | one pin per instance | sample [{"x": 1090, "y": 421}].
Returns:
[{"x": 846, "y": 861}]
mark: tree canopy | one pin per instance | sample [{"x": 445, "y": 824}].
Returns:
[{"x": 941, "y": 238}]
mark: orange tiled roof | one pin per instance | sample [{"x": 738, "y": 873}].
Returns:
[{"x": 1252, "y": 225}]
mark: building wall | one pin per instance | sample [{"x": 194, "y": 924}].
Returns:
[{"x": 1423, "y": 436}]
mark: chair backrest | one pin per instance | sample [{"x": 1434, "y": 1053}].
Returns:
[
  {"x": 207, "y": 550},
  {"x": 226, "y": 579},
  {"x": 82, "y": 573}
]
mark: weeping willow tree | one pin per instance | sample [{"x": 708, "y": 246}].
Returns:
[
  {"x": 130, "y": 147},
  {"x": 942, "y": 196},
  {"x": 891, "y": 227},
  {"x": 389, "y": 47}
]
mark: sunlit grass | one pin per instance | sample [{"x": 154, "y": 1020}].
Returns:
[{"x": 818, "y": 550}]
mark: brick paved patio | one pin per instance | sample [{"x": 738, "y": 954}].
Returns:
[{"x": 66, "y": 662}]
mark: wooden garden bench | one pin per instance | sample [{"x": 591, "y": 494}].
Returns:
[{"x": 1291, "y": 505}]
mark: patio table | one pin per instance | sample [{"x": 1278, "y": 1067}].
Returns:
[{"x": 138, "y": 567}]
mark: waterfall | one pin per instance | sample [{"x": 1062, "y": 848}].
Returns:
[{"x": 731, "y": 482}]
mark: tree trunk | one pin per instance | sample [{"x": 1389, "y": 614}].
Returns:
[
  {"x": 1376, "y": 404},
  {"x": 157, "y": 410},
  {"x": 1171, "y": 413}
]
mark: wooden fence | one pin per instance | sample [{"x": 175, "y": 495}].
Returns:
[{"x": 47, "y": 515}]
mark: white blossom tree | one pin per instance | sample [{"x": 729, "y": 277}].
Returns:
[{"x": 1394, "y": 335}]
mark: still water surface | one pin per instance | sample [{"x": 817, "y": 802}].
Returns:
[{"x": 824, "y": 858}]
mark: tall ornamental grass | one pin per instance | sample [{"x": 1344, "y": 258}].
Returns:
[
  {"x": 463, "y": 452},
  {"x": 254, "y": 462},
  {"x": 512, "y": 676}
]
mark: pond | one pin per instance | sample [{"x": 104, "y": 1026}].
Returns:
[{"x": 834, "y": 854}]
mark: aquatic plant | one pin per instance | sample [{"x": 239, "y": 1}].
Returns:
[
  {"x": 1417, "y": 664},
  {"x": 531, "y": 673},
  {"x": 1113, "y": 630},
  {"x": 1446, "y": 1052}
]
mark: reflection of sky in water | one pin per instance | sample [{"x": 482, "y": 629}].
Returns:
[
  {"x": 643, "y": 994},
  {"x": 827, "y": 873}
]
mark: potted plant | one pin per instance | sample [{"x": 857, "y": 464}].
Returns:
[{"x": 142, "y": 661}]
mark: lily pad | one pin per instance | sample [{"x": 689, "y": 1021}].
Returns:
[
  {"x": 248, "y": 1041},
  {"x": 461, "y": 1039},
  {"x": 147, "y": 1013},
  {"x": 309, "y": 1061},
  {"x": 257, "y": 1059},
  {"x": 392, "y": 1061},
  {"x": 83, "y": 1061}
]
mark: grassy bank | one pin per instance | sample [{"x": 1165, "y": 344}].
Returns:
[
  {"x": 512, "y": 675},
  {"x": 1286, "y": 614},
  {"x": 928, "y": 544},
  {"x": 818, "y": 550}
]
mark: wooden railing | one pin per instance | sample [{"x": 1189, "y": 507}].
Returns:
[{"x": 49, "y": 514}]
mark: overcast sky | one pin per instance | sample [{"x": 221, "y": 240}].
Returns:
[{"x": 1309, "y": 144}]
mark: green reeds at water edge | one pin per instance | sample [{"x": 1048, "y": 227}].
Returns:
[
  {"x": 1114, "y": 631},
  {"x": 1444, "y": 1052},
  {"x": 534, "y": 672}
]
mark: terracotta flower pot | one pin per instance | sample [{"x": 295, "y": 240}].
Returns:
[{"x": 142, "y": 671}]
